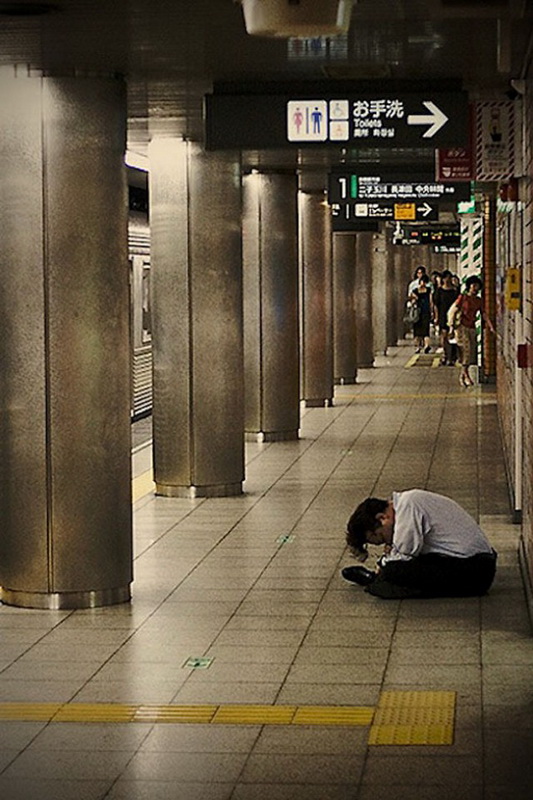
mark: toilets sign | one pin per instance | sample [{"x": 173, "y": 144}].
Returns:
[
  {"x": 381, "y": 119},
  {"x": 359, "y": 120}
]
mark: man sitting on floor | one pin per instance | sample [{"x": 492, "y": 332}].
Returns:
[{"x": 433, "y": 548}]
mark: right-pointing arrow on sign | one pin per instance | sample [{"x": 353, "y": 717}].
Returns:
[
  {"x": 436, "y": 119},
  {"x": 425, "y": 209}
]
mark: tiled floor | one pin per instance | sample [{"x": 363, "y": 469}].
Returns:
[{"x": 253, "y": 582}]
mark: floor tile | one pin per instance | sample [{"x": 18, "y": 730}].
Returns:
[
  {"x": 90, "y": 737},
  {"x": 454, "y": 772},
  {"x": 201, "y": 738},
  {"x": 200, "y": 767},
  {"x": 302, "y": 740},
  {"x": 169, "y": 790},
  {"x": 60, "y": 789},
  {"x": 329, "y": 694},
  {"x": 80, "y": 765},
  {"x": 218, "y": 693},
  {"x": 302, "y": 769},
  {"x": 276, "y": 791}
]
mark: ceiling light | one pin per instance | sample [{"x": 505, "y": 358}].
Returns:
[{"x": 296, "y": 18}]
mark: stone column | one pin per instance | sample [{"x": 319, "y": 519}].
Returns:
[
  {"x": 315, "y": 270},
  {"x": 270, "y": 278},
  {"x": 391, "y": 295},
  {"x": 364, "y": 336},
  {"x": 196, "y": 255},
  {"x": 379, "y": 293},
  {"x": 65, "y": 438},
  {"x": 401, "y": 280},
  {"x": 344, "y": 336}
]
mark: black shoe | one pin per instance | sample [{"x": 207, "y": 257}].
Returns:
[{"x": 360, "y": 575}]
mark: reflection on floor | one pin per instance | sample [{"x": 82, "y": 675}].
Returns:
[{"x": 251, "y": 584}]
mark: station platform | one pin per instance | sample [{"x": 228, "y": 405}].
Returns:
[{"x": 245, "y": 668}]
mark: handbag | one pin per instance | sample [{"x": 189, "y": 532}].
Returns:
[{"x": 411, "y": 313}]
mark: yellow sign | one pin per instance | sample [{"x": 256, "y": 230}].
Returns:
[
  {"x": 513, "y": 294},
  {"x": 406, "y": 211}
]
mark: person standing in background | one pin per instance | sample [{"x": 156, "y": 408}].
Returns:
[
  {"x": 419, "y": 271},
  {"x": 464, "y": 311},
  {"x": 422, "y": 296},
  {"x": 443, "y": 297}
]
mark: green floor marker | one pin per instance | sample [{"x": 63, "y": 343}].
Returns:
[{"x": 198, "y": 663}]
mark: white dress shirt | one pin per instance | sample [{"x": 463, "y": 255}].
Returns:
[{"x": 426, "y": 522}]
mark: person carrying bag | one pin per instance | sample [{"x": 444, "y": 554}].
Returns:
[{"x": 462, "y": 319}]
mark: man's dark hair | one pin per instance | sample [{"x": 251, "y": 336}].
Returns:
[
  {"x": 363, "y": 520},
  {"x": 473, "y": 279}
]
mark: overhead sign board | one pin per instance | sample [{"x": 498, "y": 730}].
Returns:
[
  {"x": 454, "y": 164},
  {"x": 447, "y": 249},
  {"x": 349, "y": 185},
  {"x": 342, "y": 223},
  {"x": 434, "y": 235},
  {"x": 366, "y": 119},
  {"x": 406, "y": 212}
]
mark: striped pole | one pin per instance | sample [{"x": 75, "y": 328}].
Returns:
[
  {"x": 471, "y": 263},
  {"x": 489, "y": 283}
]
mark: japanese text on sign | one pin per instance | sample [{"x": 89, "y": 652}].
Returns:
[
  {"x": 348, "y": 186},
  {"x": 372, "y": 187}
]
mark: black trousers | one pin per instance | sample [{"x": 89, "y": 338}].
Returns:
[{"x": 436, "y": 576}]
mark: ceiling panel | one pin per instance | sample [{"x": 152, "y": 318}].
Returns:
[{"x": 171, "y": 51}]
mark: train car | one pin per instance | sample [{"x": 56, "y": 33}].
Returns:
[{"x": 141, "y": 329}]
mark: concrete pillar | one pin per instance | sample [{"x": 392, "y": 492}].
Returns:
[
  {"x": 271, "y": 328},
  {"x": 391, "y": 294},
  {"x": 379, "y": 293},
  {"x": 344, "y": 337},
  {"x": 401, "y": 280},
  {"x": 316, "y": 294},
  {"x": 65, "y": 438},
  {"x": 196, "y": 256},
  {"x": 364, "y": 336}
]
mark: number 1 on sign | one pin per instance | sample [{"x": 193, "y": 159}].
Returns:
[{"x": 343, "y": 187}]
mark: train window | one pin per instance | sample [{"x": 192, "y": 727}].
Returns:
[{"x": 146, "y": 310}]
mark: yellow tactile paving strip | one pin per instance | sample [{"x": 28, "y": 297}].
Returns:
[
  {"x": 333, "y": 715},
  {"x": 255, "y": 715},
  {"x": 455, "y": 395},
  {"x": 414, "y": 718},
  {"x": 401, "y": 718},
  {"x": 142, "y": 485},
  {"x": 423, "y": 360},
  {"x": 224, "y": 714},
  {"x": 412, "y": 361}
]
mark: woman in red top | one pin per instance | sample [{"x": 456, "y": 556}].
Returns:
[{"x": 466, "y": 307}]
